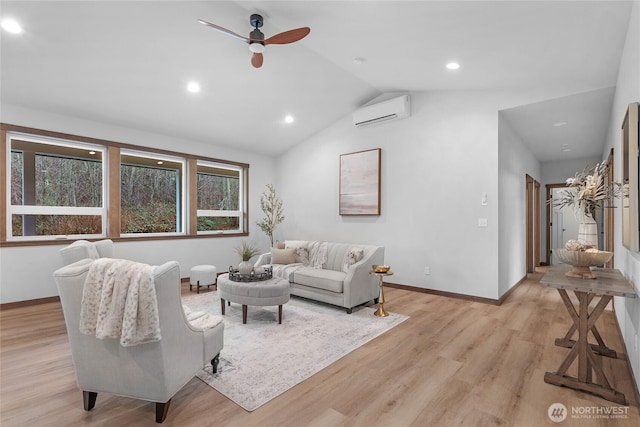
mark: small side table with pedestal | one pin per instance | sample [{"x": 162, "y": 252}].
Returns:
[{"x": 381, "y": 312}]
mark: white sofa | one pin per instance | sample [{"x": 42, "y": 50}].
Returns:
[{"x": 333, "y": 277}]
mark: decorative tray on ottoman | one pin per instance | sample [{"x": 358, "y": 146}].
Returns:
[{"x": 265, "y": 274}]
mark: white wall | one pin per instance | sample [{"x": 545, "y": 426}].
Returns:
[
  {"x": 627, "y": 91},
  {"x": 435, "y": 166},
  {"x": 26, "y": 272},
  {"x": 515, "y": 161}
]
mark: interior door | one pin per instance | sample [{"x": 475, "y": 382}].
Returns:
[{"x": 557, "y": 232}]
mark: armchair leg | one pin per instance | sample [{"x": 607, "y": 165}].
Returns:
[
  {"x": 161, "y": 411},
  {"x": 89, "y": 399},
  {"x": 214, "y": 363}
]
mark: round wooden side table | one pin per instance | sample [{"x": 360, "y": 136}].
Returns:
[{"x": 381, "y": 312}]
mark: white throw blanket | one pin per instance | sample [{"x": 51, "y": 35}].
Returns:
[{"x": 119, "y": 301}]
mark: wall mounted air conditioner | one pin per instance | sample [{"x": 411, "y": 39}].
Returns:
[{"x": 391, "y": 109}]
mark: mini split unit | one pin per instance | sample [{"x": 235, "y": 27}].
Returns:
[{"x": 391, "y": 109}]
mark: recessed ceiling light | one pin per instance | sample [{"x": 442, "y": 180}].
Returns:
[
  {"x": 288, "y": 118},
  {"x": 453, "y": 65},
  {"x": 11, "y": 26},
  {"x": 358, "y": 60},
  {"x": 558, "y": 124},
  {"x": 193, "y": 87}
]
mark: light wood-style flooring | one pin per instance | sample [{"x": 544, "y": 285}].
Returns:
[{"x": 452, "y": 363}]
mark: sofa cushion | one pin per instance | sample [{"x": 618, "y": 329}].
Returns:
[
  {"x": 329, "y": 280},
  {"x": 283, "y": 256}
]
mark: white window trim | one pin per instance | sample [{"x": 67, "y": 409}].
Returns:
[
  {"x": 53, "y": 210},
  {"x": 183, "y": 191},
  {"x": 224, "y": 213}
]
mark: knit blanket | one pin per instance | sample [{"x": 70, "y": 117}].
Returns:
[{"x": 119, "y": 301}]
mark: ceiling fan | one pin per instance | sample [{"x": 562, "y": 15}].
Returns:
[{"x": 256, "y": 39}]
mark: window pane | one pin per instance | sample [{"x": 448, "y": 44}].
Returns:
[
  {"x": 49, "y": 176},
  {"x": 16, "y": 178},
  {"x": 53, "y": 225},
  {"x": 68, "y": 182},
  {"x": 218, "y": 189},
  {"x": 150, "y": 195},
  {"x": 213, "y": 223},
  {"x": 52, "y": 175}
]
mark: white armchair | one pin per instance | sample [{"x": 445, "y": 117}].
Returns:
[
  {"x": 81, "y": 249},
  {"x": 153, "y": 371}
]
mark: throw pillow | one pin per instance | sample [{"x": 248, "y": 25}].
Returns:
[
  {"x": 302, "y": 251},
  {"x": 317, "y": 254},
  {"x": 283, "y": 256},
  {"x": 354, "y": 255}
]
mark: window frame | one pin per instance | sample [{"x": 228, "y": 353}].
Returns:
[
  {"x": 111, "y": 196},
  {"x": 11, "y": 209},
  {"x": 240, "y": 213},
  {"x": 181, "y": 201}
]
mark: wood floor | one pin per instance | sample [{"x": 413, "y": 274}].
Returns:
[{"x": 452, "y": 363}]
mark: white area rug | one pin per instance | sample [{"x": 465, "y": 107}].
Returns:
[{"x": 263, "y": 359}]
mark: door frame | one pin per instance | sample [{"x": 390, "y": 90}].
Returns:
[
  {"x": 532, "y": 219},
  {"x": 550, "y": 188}
]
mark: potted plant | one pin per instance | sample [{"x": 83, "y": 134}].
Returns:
[
  {"x": 271, "y": 205},
  {"x": 246, "y": 251}
]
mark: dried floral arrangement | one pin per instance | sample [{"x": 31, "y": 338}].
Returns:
[{"x": 589, "y": 190}]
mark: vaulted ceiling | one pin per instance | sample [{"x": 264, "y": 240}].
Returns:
[{"x": 127, "y": 63}]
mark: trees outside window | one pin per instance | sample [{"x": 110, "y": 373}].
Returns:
[
  {"x": 61, "y": 186},
  {"x": 56, "y": 188},
  {"x": 220, "y": 194},
  {"x": 151, "y": 193}
]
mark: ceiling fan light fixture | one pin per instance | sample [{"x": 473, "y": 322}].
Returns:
[{"x": 256, "y": 47}]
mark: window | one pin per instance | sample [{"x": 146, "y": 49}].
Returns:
[
  {"x": 220, "y": 197},
  {"x": 152, "y": 193},
  {"x": 56, "y": 188},
  {"x": 60, "y": 186}
]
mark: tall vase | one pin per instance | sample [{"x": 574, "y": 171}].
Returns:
[{"x": 588, "y": 231}]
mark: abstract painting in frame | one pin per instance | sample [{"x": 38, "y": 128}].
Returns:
[{"x": 360, "y": 183}]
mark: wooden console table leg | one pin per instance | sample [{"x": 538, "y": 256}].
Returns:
[{"x": 584, "y": 352}]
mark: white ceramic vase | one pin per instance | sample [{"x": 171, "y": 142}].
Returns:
[
  {"x": 245, "y": 267},
  {"x": 588, "y": 231}
]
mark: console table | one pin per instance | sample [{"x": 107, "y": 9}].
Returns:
[{"x": 603, "y": 288}]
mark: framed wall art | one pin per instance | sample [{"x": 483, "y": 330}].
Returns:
[
  {"x": 360, "y": 182},
  {"x": 630, "y": 182}
]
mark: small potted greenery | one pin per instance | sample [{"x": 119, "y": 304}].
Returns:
[{"x": 246, "y": 251}]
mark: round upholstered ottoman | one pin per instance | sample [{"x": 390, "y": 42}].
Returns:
[
  {"x": 265, "y": 292},
  {"x": 202, "y": 275}
]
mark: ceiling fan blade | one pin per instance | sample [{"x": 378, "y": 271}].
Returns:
[
  {"x": 288, "y": 36},
  {"x": 256, "y": 60},
  {"x": 224, "y": 30}
]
